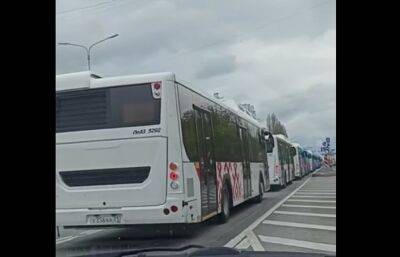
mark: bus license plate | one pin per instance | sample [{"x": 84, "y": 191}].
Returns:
[{"x": 105, "y": 219}]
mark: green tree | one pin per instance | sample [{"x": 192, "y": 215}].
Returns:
[{"x": 274, "y": 125}]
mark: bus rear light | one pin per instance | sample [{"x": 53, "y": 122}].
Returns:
[
  {"x": 156, "y": 89},
  {"x": 166, "y": 211},
  {"x": 174, "y": 185},
  {"x": 174, "y": 208},
  {"x": 173, "y": 176},
  {"x": 173, "y": 166},
  {"x": 157, "y": 86}
]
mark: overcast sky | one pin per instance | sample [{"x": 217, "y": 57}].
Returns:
[{"x": 279, "y": 55}]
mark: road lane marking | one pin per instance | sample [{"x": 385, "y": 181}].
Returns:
[
  {"x": 254, "y": 242},
  {"x": 65, "y": 239},
  {"x": 90, "y": 232},
  {"x": 318, "y": 190},
  {"x": 299, "y": 243},
  {"x": 308, "y": 206},
  {"x": 299, "y": 225},
  {"x": 244, "y": 244},
  {"x": 309, "y": 196},
  {"x": 313, "y": 201},
  {"x": 322, "y": 189},
  {"x": 234, "y": 241},
  {"x": 81, "y": 234},
  {"x": 306, "y": 214},
  {"x": 313, "y": 193}
]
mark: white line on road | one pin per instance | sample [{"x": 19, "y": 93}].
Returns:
[
  {"x": 299, "y": 243},
  {"x": 316, "y": 193},
  {"x": 309, "y": 206},
  {"x": 313, "y": 201},
  {"x": 298, "y": 225},
  {"x": 314, "y": 196},
  {"x": 90, "y": 232},
  {"x": 244, "y": 244},
  {"x": 234, "y": 241},
  {"x": 254, "y": 242},
  {"x": 65, "y": 239},
  {"x": 82, "y": 234},
  {"x": 321, "y": 190},
  {"x": 306, "y": 214}
]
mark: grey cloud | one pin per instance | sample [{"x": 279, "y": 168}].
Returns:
[
  {"x": 150, "y": 27},
  {"x": 216, "y": 66},
  {"x": 308, "y": 115},
  {"x": 277, "y": 55},
  {"x": 316, "y": 98}
]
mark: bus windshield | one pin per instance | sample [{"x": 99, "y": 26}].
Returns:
[{"x": 122, "y": 106}]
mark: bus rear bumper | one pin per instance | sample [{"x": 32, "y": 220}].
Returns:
[
  {"x": 129, "y": 216},
  {"x": 275, "y": 181}
]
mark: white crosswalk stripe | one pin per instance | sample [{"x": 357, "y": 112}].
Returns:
[
  {"x": 298, "y": 243},
  {"x": 308, "y": 206},
  {"x": 312, "y": 201},
  {"x": 299, "y": 225},
  {"x": 311, "y": 195},
  {"x": 311, "y": 214},
  {"x": 308, "y": 196},
  {"x": 320, "y": 190},
  {"x": 314, "y": 193}
]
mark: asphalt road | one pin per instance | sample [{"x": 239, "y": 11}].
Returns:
[
  {"x": 235, "y": 233},
  {"x": 305, "y": 221}
]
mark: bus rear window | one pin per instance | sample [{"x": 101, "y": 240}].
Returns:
[{"x": 124, "y": 106}]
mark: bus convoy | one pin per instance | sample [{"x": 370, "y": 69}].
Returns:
[{"x": 147, "y": 149}]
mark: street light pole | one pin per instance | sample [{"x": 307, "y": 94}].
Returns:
[{"x": 88, "y": 49}]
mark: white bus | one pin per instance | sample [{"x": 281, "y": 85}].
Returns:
[
  {"x": 309, "y": 165},
  {"x": 298, "y": 161},
  {"x": 145, "y": 149},
  {"x": 280, "y": 160}
]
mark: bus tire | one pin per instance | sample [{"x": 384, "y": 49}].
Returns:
[
  {"x": 225, "y": 205},
  {"x": 259, "y": 197}
]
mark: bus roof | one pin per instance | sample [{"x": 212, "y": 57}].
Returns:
[
  {"x": 85, "y": 79},
  {"x": 297, "y": 145},
  {"x": 226, "y": 103},
  {"x": 283, "y": 137}
]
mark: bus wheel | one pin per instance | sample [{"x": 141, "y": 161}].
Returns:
[
  {"x": 259, "y": 197},
  {"x": 225, "y": 212}
]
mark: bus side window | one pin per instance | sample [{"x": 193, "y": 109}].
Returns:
[
  {"x": 269, "y": 142},
  {"x": 269, "y": 146}
]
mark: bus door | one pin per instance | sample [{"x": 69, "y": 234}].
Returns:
[
  {"x": 281, "y": 157},
  {"x": 208, "y": 184},
  {"x": 246, "y": 162},
  {"x": 292, "y": 155}
]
